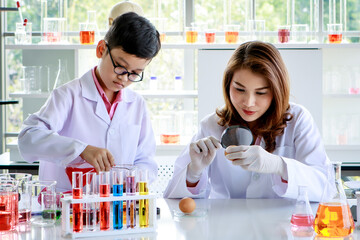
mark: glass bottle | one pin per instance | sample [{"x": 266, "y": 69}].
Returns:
[
  {"x": 302, "y": 219},
  {"x": 333, "y": 217},
  {"x": 178, "y": 83}
]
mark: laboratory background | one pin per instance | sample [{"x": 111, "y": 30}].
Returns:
[{"x": 46, "y": 43}]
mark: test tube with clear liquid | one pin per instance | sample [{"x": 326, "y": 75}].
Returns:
[
  {"x": 77, "y": 191},
  {"x": 131, "y": 204},
  {"x": 91, "y": 209},
  {"x": 143, "y": 203},
  {"x": 104, "y": 189},
  {"x": 117, "y": 177}
]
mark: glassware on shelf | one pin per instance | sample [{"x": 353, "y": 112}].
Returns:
[
  {"x": 23, "y": 33},
  {"x": 54, "y": 29},
  {"x": 302, "y": 219},
  {"x": 256, "y": 29},
  {"x": 62, "y": 75},
  {"x": 153, "y": 83},
  {"x": 31, "y": 80},
  {"x": 299, "y": 33},
  {"x": 191, "y": 34},
  {"x": 231, "y": 33},
  {"x": 210, "y": 35},
  {"x": 283, "y": 33},
  {"x": 89, "y": 29},
  {"x": 178, "y": 84},
  {"x": 335, "y": 33},
  {"x": 333, "y": 217}
]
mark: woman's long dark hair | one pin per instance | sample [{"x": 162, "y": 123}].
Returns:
[{"x": 263, "y": 59}]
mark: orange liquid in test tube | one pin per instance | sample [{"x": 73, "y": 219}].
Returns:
[
  {"x": 210, "y": 37},
  {"x": 87, "y": 37},
  {"x": 231, "y": 37},
  {"x": 191, "y": 36}
]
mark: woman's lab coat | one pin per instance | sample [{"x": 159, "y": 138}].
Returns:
[
  {"x": 300, "y": 147},
  {"x": 75, "y": 116}
]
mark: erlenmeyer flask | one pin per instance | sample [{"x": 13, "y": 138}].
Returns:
[
  {"x": 333, "y": 217},
  {"x": 302, "y": 219},
  {"x": 62, "y": 76}
]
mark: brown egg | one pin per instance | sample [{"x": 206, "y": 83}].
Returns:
[{"x": 187, "y": 205}]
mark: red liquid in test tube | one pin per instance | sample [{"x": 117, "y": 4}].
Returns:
[
  {"x": 104, "y": 190},
  {"x": 77, "y": 191}
]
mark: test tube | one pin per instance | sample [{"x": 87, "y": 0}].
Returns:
[
  {"x": 117, "y": 176},
  {"x": 143, "y": 203},
  {"x": 131, "y": 204},
  {"x": 104, "y": 189},
  {"x": 77, "y": 191},
  {"x": 91, "y": 209}
]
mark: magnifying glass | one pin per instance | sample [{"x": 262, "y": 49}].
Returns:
[{"x": 236, "y": 135}]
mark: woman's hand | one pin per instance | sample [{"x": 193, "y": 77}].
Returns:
[
  {"x": 100, "y": 158},
  {"x": 255, "y": 158},
  {"x": 202, "y": 153}
]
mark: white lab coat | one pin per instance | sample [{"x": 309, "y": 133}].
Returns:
[
  {"x": 75, "y": 116},
  {"x": 300, "y": 147}
]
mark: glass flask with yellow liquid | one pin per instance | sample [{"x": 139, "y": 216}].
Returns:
[{"x": 333, "y": 217}]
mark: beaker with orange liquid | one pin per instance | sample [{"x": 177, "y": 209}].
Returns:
[{"x": 333, "y": 217}]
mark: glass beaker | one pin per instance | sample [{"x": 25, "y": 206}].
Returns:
[
  {"x": 54, "y": 29},
  {"x": 333, "y": 217},
  {"x": 43, "y": 202},
  {"x": 89, "y": 29},
  {"x": 302, "y": 219},
  {"x": 24, "y": 191},
  {"x": 8, "y": 207}
]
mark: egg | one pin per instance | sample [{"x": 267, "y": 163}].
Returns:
[{"x": 187, "y": 205}]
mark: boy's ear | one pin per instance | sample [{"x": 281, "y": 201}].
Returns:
[{"x": 100, "y": 48}]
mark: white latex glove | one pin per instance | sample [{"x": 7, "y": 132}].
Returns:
[
  {"x": 202, "y": 153},
  {"x": 255, "y": 158}
]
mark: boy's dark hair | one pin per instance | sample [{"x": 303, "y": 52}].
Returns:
[{"x": 134, "y": 35}]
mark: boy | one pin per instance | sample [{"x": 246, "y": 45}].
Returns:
[{"x": 96, "y": 118}]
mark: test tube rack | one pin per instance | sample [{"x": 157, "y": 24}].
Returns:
[{"x": 67, "y": 230}]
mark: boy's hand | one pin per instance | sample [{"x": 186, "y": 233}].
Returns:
[{"x": 100, "y": 158}]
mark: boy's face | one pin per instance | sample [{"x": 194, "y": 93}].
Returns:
[{"x": 109, "y": 80}]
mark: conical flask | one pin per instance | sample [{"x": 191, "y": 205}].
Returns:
[
  {"x": 302, "y": 219},
  {"x": 333, "y": 217},
  {"x": 62, "y": 75}
]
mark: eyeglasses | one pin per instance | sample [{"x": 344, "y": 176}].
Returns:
[{"x": 120, "y": 70}]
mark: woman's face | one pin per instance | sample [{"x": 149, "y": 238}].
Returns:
[{"x": 250, "y": 94}]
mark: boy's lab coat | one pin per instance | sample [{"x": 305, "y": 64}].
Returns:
[
  {"x": 75, "y": 116},
  {"x": 300, "y": 147}
]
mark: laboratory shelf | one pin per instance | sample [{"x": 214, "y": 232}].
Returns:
[
  {"x": 28, "y": 95},
  {"x": 168, "y": 94},
  {"x": 341, "y": 95},
  {"x": 144, "y": 93},
  {"x": 348, "y": 147},
  {"x": 215, "y": 46}
]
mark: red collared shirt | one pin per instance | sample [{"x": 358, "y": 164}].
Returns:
[{"x": 109, "y": 107}]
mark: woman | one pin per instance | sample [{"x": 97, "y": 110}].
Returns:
[{"x": 287, "y": 151}]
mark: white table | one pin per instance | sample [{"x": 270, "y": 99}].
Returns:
[{"x": 225, "y": 219}]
